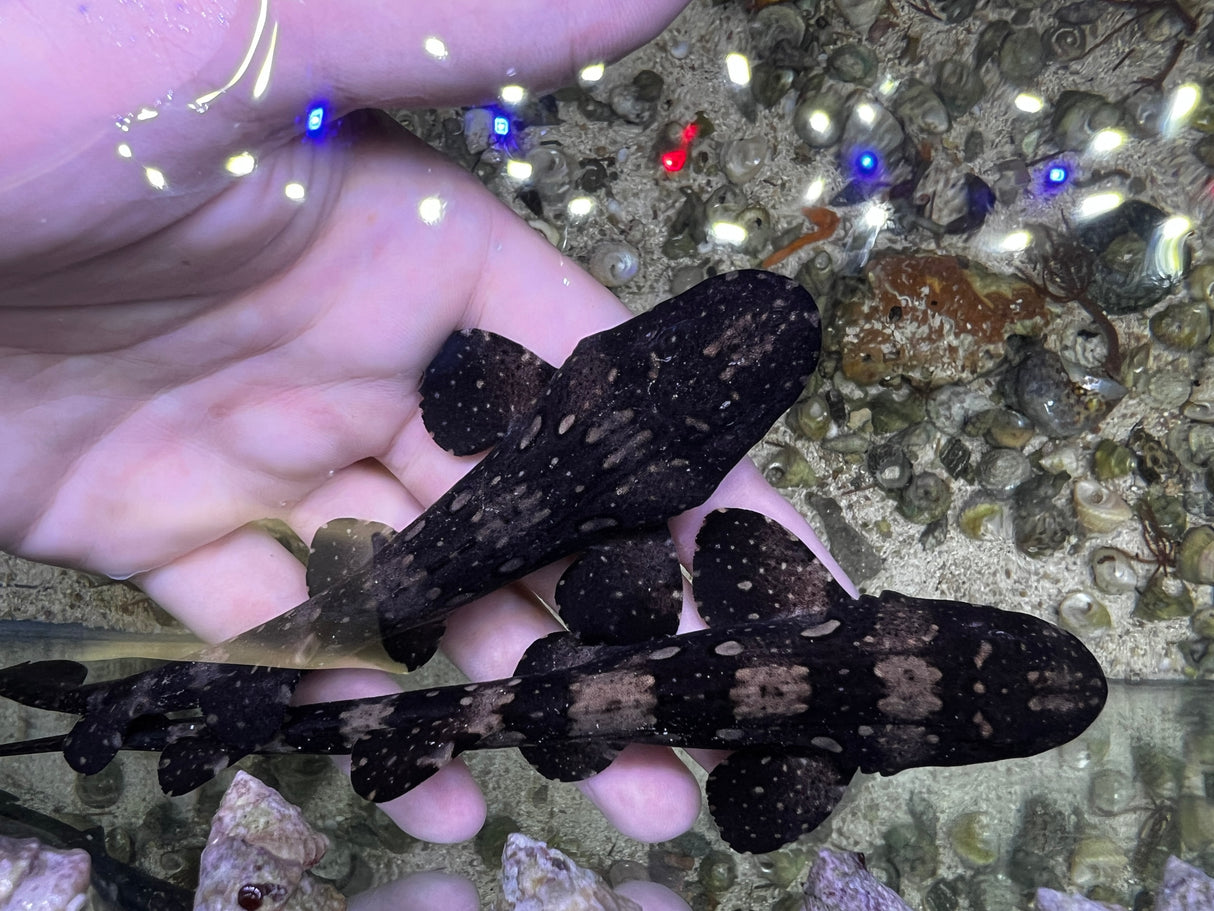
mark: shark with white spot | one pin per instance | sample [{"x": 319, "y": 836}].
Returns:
[
  {"x": 639, "y": 424},
  {"x": 803, "y": 682}
]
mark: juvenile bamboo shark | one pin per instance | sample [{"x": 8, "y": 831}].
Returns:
[
  {"x": 640, "y": 423},
  {"x": 804, "y": 683}
]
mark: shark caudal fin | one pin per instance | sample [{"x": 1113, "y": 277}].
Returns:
[
  {"x": 762, "y": 799},
  {"x": 749, "y": 567}
]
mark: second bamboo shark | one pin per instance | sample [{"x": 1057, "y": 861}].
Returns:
[{"x": 804, "y": 683}]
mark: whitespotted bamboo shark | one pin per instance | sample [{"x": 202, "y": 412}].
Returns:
[
  {"x": 640, "y": 423},
  {"x": 803, "y": 682}
]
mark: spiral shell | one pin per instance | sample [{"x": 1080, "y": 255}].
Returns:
[
  {"x": 788, "y": 467},
  {"x": 1099, "y": 509},
  {"x": 1195, "y": 556},
  {"x": 1084, "y": 616},
  {"x": 1113, "y": 570},
  {"x": 615, "y": 263}
]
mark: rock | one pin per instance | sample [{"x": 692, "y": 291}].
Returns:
[
  {"x": 838, "y": 881},
  {"x": 536, "y": 877},
  {"x": 932, "y": 319},
  {"x": 259, "y": 853},
  {"x": 1049, "y": 900},
  {"x": 35, "y": 876},
  {"x": 1184, "y": 888}
]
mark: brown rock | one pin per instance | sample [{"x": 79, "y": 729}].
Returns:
[{"x": 932, "y": 319}]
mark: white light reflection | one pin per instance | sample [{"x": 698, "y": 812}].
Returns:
[
  {"x": 1015, "y": 241},
  {"x": 518, "y": 170},
  {"x": 155, "y": 177},
  {"x": 728, "y": 232},
  {"x": 815, "y": 190},
  {"x": 124, "y": 150},
  {"x": 819, "y": 121},
  {"x": 1028, "y": 103},
  {"x": 888, "y": 86},
  {"x": 580, "y": 206},
  {"x": 435, "y": 47},
  {"x": 591, "y": 74},
  {"x": 147, "y": 114},
  {"x": 875, "y": 216},
  {"x": 200, "y": 103},
  {"x": 512, "y": 94},
  {"x": 1181, "y": 106},
  {"x": 241, "y": 164},
  {"x": 294, "y": 191},
  {"x": 1098, "y": 203},
  {"x": 867, "y": 113},
  {"x": 263, "y": 75},
  {"x": 430, "y": 210},
  {"x": 738, "y": 68},
  {"x": 1106, "y": 140},
  {"x": 1167, "y": 246}
]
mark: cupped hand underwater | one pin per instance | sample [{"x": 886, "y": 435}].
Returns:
[{"x": 186, "y": 347}]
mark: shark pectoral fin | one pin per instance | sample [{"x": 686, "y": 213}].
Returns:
[
  {"x": 51, "y": 685},
  {"x": 387, "y": 763},
  {"x": 245, "y": 706},
  {"x": 415, "y": 646},
  {"x": 340, "y": 548},
  {"x": 191, "y": 762},
  {"x": 476, "y": 384},
  {"x": 627, "y": 588},
  {"x": 748, "y": 567},
  {"x": 571, "y": 761},
  {"x": 92, "y": 742},
  {"x": 763, "y": 798}
]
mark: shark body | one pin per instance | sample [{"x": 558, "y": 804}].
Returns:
[
  {"x": 805, "y": 683},
  {"x": 640, "y": 423}
]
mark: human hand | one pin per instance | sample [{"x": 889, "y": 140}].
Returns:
[{"x": 185, "y": 350}]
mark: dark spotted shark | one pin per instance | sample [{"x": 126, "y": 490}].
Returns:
[
  {"x": 805, "y": 684},
  {"x": 640, "y": 423}
]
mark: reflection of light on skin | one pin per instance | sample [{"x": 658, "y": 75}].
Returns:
[
  {"x": 819, "y": 121},
  {"x": 1183, "y": 103},
  {"x": 728, "y": 232},
  {"x": 866, "y": 113},
  {"x": 512, "y": 94},
  {"x": 147, "y": 114},
  {"x": 738, "y": 68},
  {"x": 518, "y": 170},
  {"x": 1028, "y": 103},
  {"x": 435, "y": 47},
  {"x": 430, "y": 210},
  {"x": 294, "y": 191},
  {"x": 591, "y": 74},
  {"x": 814, "y": 191},
  {"x": 124, "y": 150},
  {"x": 263, "y": 75},
  {"x": 1099, "y": 203},
  {"x": 240, "y": 164},
  {"x": 1106, "y": 140},
  {"x": 1167, "y": 245},
  {"x": 1015, "y": 241},
  {"x": 200, "y": 103},
  {"x": 581, "y": 206},
  {"x": 155, "y": 177}
]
